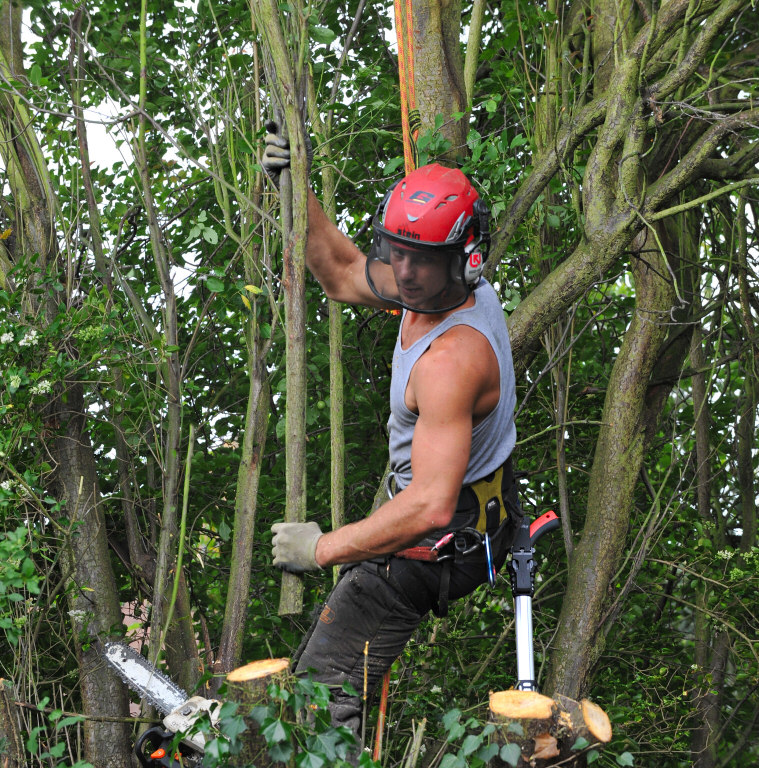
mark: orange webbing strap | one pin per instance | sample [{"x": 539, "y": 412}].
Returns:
[
  {"x": 409, "y": 114},
  {"x": 381, "y": 717}
]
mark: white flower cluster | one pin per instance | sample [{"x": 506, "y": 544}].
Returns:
[
  {"x": 8, "y": 486},
  {"x": 6, "y": 338},
  {"x": 14, "y": 381},
  {"x": 31, "y": 339},
  {"x": 725, "y": 554},
  {"x": 42, "y": 387}
]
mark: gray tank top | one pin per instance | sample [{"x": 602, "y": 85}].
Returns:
[{"x": 493, "y": 439}]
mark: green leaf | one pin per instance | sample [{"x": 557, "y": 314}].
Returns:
[
  {"x": 215, "y": 285},
  {"x": 511, "y": 754},
  {"x": 592, "y": 756},
  {"x": 471, "y": 743},
  {"x": 35, "y": 74},
  {"x": 322, "y": 35},
  {"x": 452, "y": 761},
  {"x": 310, "y": 760},
  {"x": 260, "y": 713},
  {"x": 281, "y": 752},
  {"x": 275, "y": 732},
  {"x": 69, "y": 721},
  {"x": 625, "y": 759},
  {"x": 580, "y": 743}
]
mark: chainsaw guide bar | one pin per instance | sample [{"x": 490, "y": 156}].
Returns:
[{"x": 141, "y": 676}]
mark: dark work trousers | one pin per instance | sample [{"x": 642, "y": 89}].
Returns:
[{"x": 383, "y": 603}]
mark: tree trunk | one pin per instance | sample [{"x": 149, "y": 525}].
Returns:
[
  {"x": 439, "y": 70},
  {"x": 617, "y": 462},
  {"x": 286, "y": 86},
  {"x": 11, "y": 743},
  {"x": 248, "y": 687},
  {"x": 91, "y": 588},
  {"x": 249, "y": 473}
]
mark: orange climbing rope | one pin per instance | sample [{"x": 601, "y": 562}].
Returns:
[{"x": 410, "y": 121}]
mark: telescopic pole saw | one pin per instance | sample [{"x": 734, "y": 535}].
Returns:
[{"x": 522, "y": 569}]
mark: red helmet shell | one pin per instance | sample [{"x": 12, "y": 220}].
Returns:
[{"x": 433, "y": 204}]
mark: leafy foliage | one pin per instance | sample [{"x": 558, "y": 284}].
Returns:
[{"x": 675, "y": 653}]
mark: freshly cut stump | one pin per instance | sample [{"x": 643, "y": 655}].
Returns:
[
  {"x": 525, "y": 718},
  {"x": 247, "y": 686},
  {"x": 585, "y": 719},
  {"x": 545, "y": 729}
]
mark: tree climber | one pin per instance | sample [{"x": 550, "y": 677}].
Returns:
[{"x": 454, "y": 510}]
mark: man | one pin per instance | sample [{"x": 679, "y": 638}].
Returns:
[{"x": 454, "y": 512}]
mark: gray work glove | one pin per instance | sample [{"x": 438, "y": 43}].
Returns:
[
  {"x": 276, "y": 152},
  {"x": 276, "y": 155},
  {"x": 294, "y": 546}
]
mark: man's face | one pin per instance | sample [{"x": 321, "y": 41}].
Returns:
[{"x": 421, "y": 276}]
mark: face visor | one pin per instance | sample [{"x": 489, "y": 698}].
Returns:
[{"x": 418, "y": 276}]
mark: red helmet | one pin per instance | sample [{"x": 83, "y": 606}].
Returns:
[{"x": 433, "y": 214}]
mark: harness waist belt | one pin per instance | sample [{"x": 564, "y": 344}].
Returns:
[{"x": 481, "y": 509}]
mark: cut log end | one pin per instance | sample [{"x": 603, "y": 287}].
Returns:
[
  {"x": 596, "y": 720},
  {"x": 258, "y": 669},
  {"x": 521, "y": 705},
  {"x": 546, "y": 729}
]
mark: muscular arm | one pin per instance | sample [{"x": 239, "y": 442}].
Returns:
[
  {"x": 447, "y": 386},
  {"x": 335, "y": 261}
]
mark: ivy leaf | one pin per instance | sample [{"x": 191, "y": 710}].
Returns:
[
  {"x": 275, "y": 732},
  {"x": 471, "y": 743},
  {"x": 511, "y": 754},
  {"x": 310, "y": 760},
  {"x": 625, "y": 759},
  {"x": 581, "y": 743}
]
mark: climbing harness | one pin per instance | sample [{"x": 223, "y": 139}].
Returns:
[{"x": 481, "y": 514}]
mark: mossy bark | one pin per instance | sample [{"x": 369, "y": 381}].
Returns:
[
  {"x": 616, "y": 465},
  {"x": 439, "y": 70},
  {"x": 284, "y": 42}
]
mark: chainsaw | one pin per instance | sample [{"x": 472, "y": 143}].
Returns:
[{"x": 155, "y": 747}]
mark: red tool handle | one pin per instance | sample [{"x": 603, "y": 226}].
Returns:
[{"x": 545, "y": 523}]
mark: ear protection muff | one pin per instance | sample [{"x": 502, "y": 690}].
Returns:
[{"x": 469, "y": 269}]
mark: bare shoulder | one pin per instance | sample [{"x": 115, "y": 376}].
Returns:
[
  {"x": 461, "y": 346},
  {"x": 459, "y": 367}
]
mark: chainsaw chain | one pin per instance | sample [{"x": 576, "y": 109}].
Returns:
[{"x": 144, "y": 693}]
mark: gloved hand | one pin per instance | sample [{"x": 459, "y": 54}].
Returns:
[
  {"x": 294, "y": 546},
  {"x": 276, "y": 155},
  {"x": 276, "y": 152}
]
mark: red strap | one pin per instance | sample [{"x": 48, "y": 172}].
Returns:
[{"x": 427, "y": 554}]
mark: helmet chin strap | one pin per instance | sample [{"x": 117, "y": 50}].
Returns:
[{"x": 439, "y": 294}]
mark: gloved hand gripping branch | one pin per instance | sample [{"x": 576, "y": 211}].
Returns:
[
  {"x": 294, "y": 546},
  {"x": 276, "y": 155}
]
